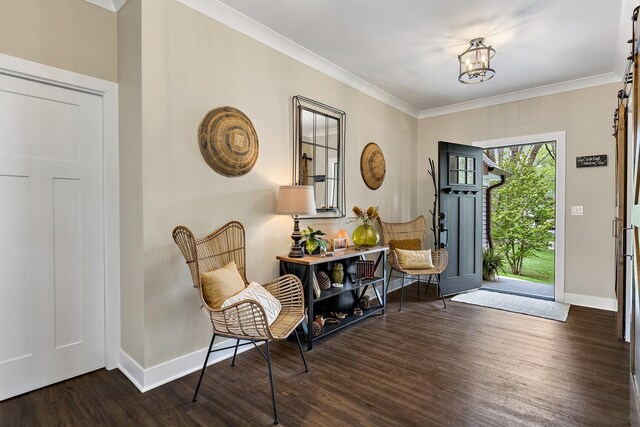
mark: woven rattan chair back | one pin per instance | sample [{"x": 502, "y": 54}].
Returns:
[
  {"x": 213, "y": 251},
  {"x": 246, "y": 319},
  {"x": 414, "y": 229}
]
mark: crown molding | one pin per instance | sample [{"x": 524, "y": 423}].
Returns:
[
  {"x": 111, "y": 5},
  {"x": 242, "y": 23},
  {"x": 600, "y": 79}
]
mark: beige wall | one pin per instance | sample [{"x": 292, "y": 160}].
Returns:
[
  {"x": 130, "y": 118},
  {"x": 71, "y": 34},
  {"x": 190, "y": 65},
  {"x": 587, "y": 116}
]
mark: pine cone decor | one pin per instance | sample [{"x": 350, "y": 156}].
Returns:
[
  {"x": 323, "y": 281},
  {"x": 316, "y": 329}
]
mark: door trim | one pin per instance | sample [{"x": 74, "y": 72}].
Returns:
[
  {"x": 560, "y": 140},
  {"x": 108, "y": 91}
]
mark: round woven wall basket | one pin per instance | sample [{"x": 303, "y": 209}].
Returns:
[
  {"x": 228, "y": 141},
  {"x": 372, "y": 166}
]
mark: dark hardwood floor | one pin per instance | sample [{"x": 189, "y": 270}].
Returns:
[{"x": 459, "y": 366}]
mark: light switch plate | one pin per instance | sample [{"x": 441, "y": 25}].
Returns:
[{"x": 577, "y": 210}]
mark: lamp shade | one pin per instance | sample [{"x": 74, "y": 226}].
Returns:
[{"x": 296, "y": 200}]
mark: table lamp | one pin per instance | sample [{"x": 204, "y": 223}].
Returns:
[{"x": 296, "y": 200}]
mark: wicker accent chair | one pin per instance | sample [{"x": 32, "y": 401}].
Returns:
[
  {"x": 414, "y": 229},
  {"x": 245, "y": 320}
]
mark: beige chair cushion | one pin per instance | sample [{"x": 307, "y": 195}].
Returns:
[
  {"x": 220, "y": 284},
  {"x": 412, "y": 260},
  {"x": 257, "y": 293},
  {"x": 407, "y": 244}
]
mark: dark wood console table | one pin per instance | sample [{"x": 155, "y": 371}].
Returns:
[{"x": 338, "y": 299}]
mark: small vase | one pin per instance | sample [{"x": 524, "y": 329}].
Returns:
[{"x": 365, "y": 235}]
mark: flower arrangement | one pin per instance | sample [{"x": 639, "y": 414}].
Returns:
[{"x": 366, "y": 217}]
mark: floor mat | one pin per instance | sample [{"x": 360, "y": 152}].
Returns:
[{"x": 517, "y": 304}]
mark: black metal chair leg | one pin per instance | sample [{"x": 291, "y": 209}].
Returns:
[
  {"x": 204, "y": 366},
  {"x": 418, "y": 286},
  {"x": 426, "y": 290},
  {"x": 306, "y": 369},
  {"x": 401, "y": 292},
  {"x": 273, "y": 389},
  {"x": 235, "y": 352},
  {"x": 440, "y": 291}
]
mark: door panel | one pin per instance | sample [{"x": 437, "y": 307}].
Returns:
[
  {"x": 15, "y": 325},
  {"x": 621, "y": 217},
  {"x": 51, "y": 235},
  {"x": 461, "y": 215},
  {"x": 635, "y": 220}
]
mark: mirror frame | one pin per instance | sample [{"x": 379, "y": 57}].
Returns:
[{"x": 300, "y": 104}]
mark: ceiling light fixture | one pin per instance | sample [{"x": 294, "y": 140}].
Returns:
[{"x": 475, "y": 62}]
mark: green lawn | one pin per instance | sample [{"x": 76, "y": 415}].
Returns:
[{"x": 538, "y": 268}]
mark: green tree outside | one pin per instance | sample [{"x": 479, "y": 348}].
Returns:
[{"x": 523, "y": 211}]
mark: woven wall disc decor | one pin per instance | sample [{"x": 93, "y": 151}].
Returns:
[
  {"x": 228, "y": 141},
  {"x": 372, "y": 166}
]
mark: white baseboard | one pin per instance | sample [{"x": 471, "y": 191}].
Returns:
[
  {"x": 131, "y": 369},
  {"x": 608, "y": 304},
  {"x": 155, "y": 376}
]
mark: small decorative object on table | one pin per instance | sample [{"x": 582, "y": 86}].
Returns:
[
  {"x": 313, "y": 241},
  {"x": 365, "y": 234},
  {"x": 343, "y": 234},
  {"x": 323, "y": 281},
  {"x": 340, "y": 244},
  {"x": 338, "y": 273}
]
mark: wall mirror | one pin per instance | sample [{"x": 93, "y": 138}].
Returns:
[{"x": 318, "y": 153}]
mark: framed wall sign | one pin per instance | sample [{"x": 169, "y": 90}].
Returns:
[{"x": 591, "y": 161}]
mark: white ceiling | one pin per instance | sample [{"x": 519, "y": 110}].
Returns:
[
  {"x": 405, "y": 52},
  {"x": 409, "y": 48}
]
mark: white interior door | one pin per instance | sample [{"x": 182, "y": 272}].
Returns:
[{"x": 51, "y": 235}]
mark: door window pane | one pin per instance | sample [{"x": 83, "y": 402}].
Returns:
[{"x": 462, "y": 170}]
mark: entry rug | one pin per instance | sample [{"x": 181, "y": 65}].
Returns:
[{"x": 517, "y": 304}]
